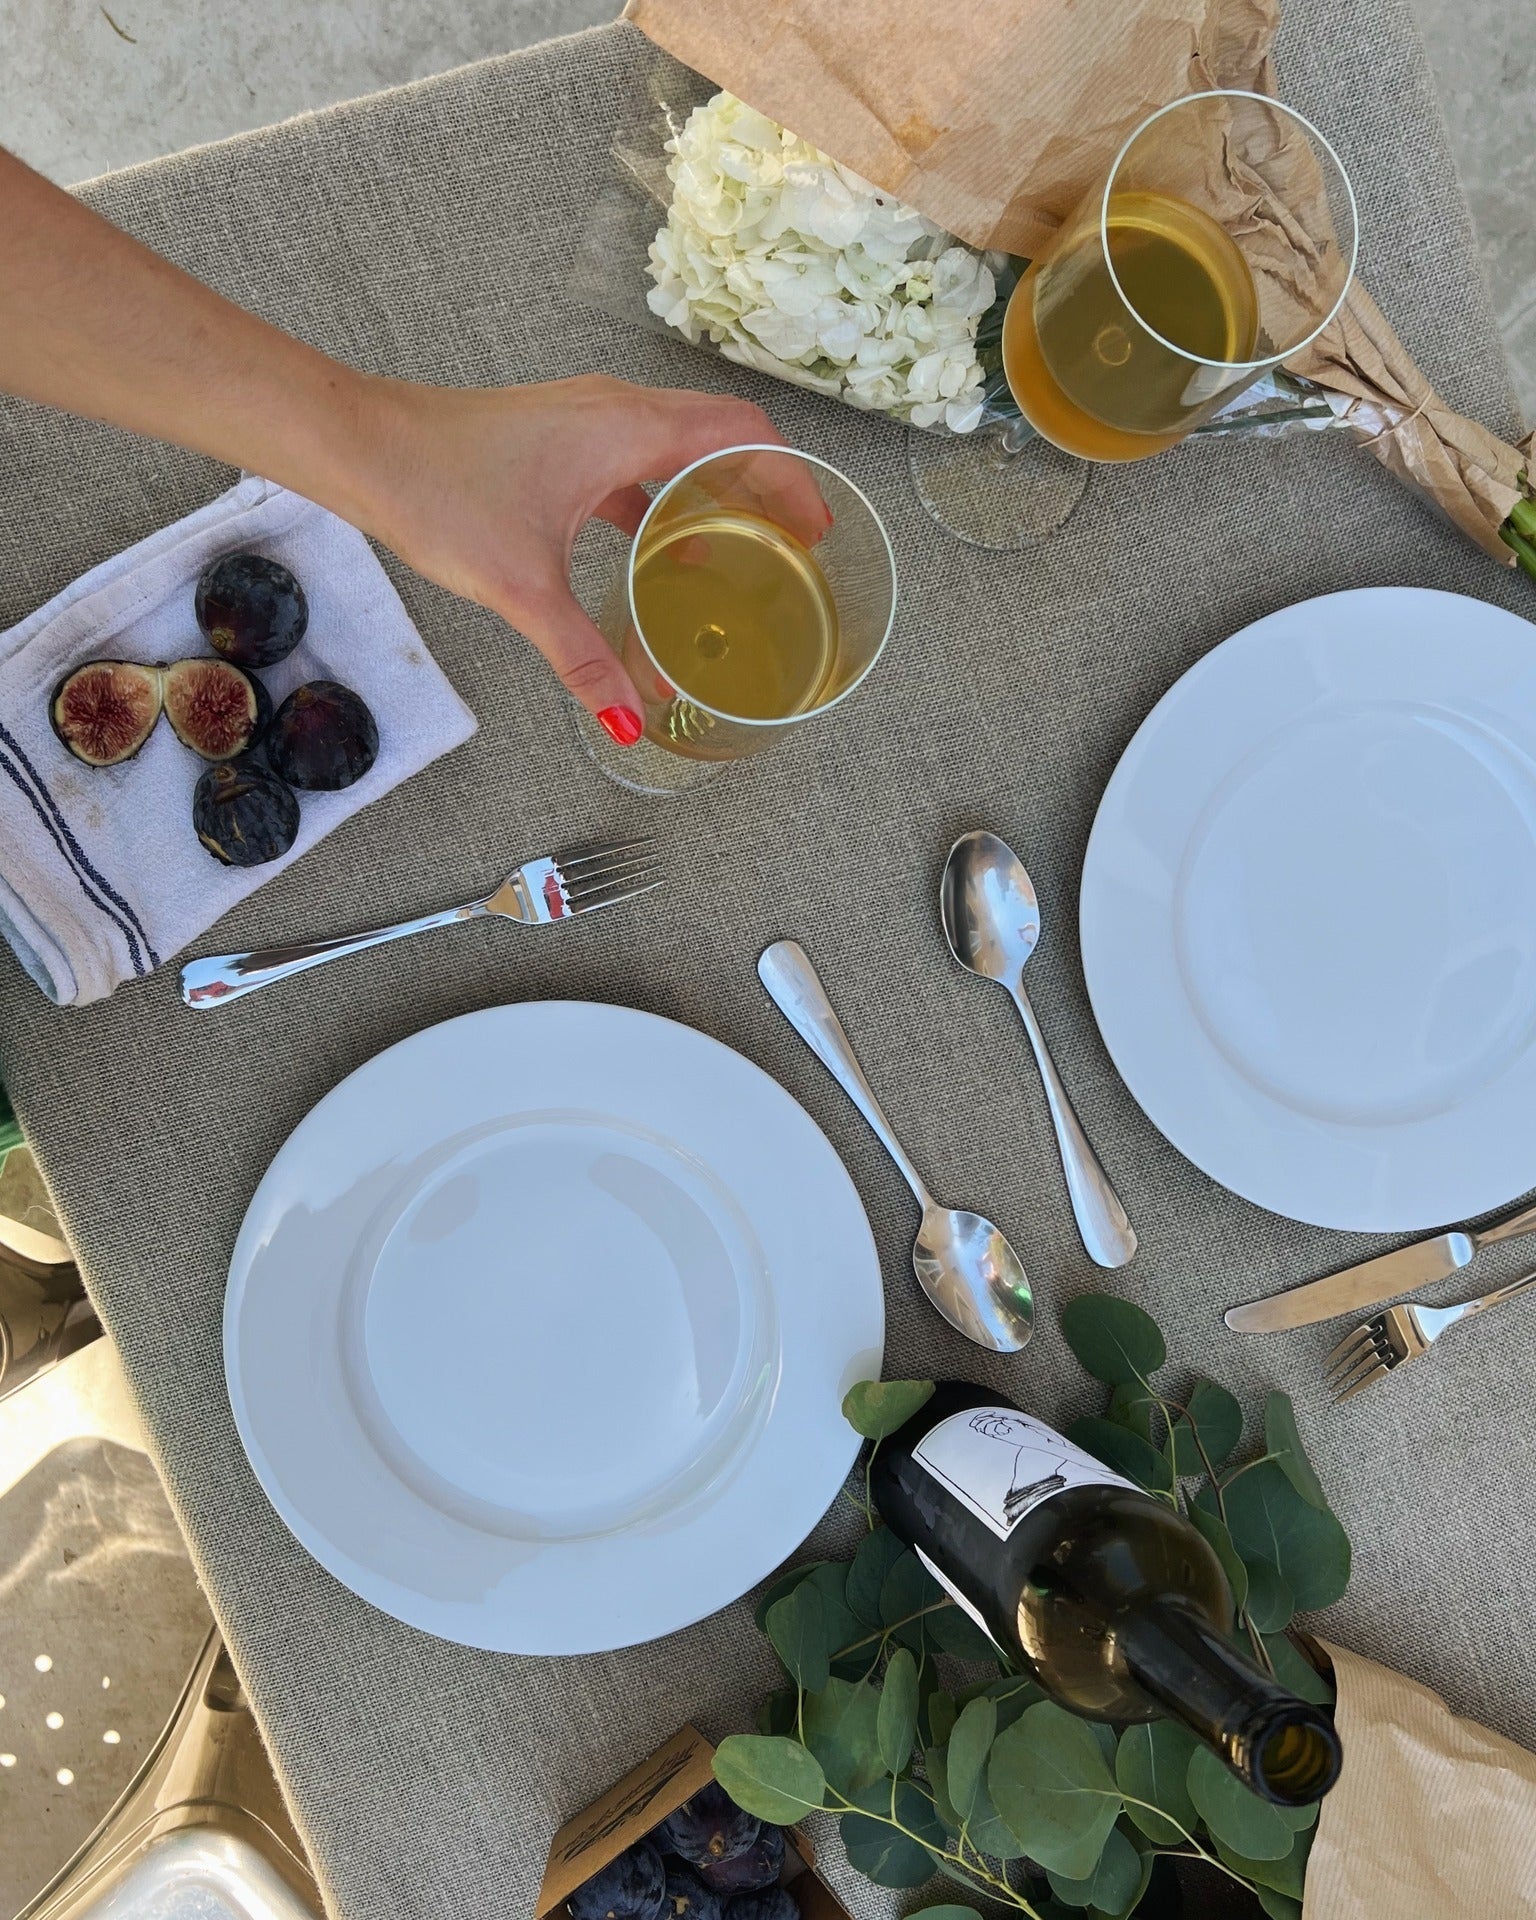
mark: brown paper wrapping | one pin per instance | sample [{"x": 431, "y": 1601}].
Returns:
[
  {"x": 999, "y": 150},
  {"x": 1434, "y": 1818}
]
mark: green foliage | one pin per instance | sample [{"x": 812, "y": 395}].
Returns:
[
  {"x": 1114, "y": 1339},
  {"x": 876, "y": 1408},
  {"x": 940, "y": 1758},
  {"x": 775, "y": 1778}
]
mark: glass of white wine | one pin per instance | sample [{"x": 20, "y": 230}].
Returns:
[
  {"x": 758, "y": 593},
  {"x": 1220, "y": 243}
]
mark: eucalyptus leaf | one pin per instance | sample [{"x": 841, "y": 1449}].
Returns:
[
  {"x": 1270, "y": 1602},
  {"x": 1284, "y": 1875},
  {"x": 797, "y": 1626},
  {"x": 842, "y": 1729},
  {"x": 945, "y": 1913},
  {"x": 1269, "y": 1520},
  {"x": 1012, "y": 1696},
  {"x": 1113, "y": 1883},
  {"x": 1207, "y": 1522},
  {"x": 776, "y": 1711},
  {"x": 906, "y": 1593},
  {"x": 1278, "y": 1905},
  {"x": 774, "y": 1778},
  {"x": 780, "y": 1585},
  {"x": 1113, "y": 1338},
  {"x": 876, "y": 1408},
  {"x": 966, "y": 1760},
  {"x": 1152, "y": 1765},
  {"x": 842, "y": 1624},
  {"x": 897, "y": 1721},
  {"x": 882, "y": 1852},
  {"x": 1293, "y": 1670},
  {"x": 1217, "y": 1420},
  {"x": 1051, "y": 1786},
  {"x": 1298, "y": 1819},
  {"x": 1282, "y": 1437},
  {"x": 952, "y": 1630},
  {"x": 939, "y": 1713},
  {"x": 878, "y": 1552},
  {"x": 987, "y": 1832},
  {"x": 1235, "y": 1815},
  {"x": 1123, "y": 1450},
  {"x": 1130, "y": 1406},
  {"x": 936, "y": 1771}
]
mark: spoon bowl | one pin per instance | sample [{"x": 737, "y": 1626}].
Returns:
[{"x": 973, "y": 1276}]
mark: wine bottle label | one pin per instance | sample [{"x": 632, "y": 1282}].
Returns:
[{"x": 1001, "y": 1464}]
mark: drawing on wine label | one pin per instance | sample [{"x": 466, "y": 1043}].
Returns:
[{"x": 1022, "y": 1494}]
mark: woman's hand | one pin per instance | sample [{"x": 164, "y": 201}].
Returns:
[{"x": 485, "y": 490}]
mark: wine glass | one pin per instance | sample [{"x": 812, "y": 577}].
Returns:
[
  {"x": 758, "y": 593},
  {"x": 1221, "y": 242}
]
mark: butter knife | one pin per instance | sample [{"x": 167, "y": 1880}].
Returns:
[{"x": 1373, "y": 1281}]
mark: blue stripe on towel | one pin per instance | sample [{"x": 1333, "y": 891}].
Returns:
[{"x": 46, "y": 809}]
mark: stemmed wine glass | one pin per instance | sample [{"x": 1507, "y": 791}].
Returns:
[{"x": 1220, "y": 243}]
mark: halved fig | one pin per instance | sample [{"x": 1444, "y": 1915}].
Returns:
[
  {"x": 244, "y": 815},
  {"x": 213, "y": 707},
  {"x": 106, "y": 710},
  {"x": 251, "y": 608}
]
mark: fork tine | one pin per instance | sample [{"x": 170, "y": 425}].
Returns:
[
  {"x": 624, "y": 882},
  {"x": 1350, "y": 1347},
  {"x": 1369, "y": 1360},
  {"x": 616, "y": 871},
  {"x": 579, "y": 859},
  {"x": 1367, "y": 1379},
  {"x": 614, "y": 900}
]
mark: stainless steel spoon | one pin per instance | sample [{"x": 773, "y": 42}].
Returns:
[
  {"x": 992, "y": 922},
  {"x": 962, "y": 1262}
]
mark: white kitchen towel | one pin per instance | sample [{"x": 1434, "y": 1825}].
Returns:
[{"x": 101, "y": 875}]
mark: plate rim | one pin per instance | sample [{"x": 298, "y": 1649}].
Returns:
[
  {"x": 1366, "y": 1218},
  {"x": 341, "y": 1565}
]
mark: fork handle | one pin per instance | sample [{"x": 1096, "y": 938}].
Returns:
[
  {"x": 1498, "y": 1294},
  {"x": 223, "y": 977}
]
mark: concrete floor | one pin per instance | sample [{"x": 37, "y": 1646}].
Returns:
[{"x": 85, "y": 88}]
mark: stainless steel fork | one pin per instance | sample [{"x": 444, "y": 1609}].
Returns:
[
  {"x": 555, "y": 888},
  {"x": 1401, "y": 1334}
]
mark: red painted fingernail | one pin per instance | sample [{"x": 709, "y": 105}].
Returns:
[{"x": 622, "y": 724}]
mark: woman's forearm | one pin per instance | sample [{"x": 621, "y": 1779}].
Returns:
[{"x": 95, "y": 323}]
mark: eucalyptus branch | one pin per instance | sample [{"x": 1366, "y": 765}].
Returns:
[
  {"x": 883, "y": 1634},
  {"x": 979, "y": 1875},
  {"x": 1199, "y": 1851}
]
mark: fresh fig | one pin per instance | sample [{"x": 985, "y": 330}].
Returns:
[
  {"x": 106, "y": 710},
  {"x": 322, "y": 737},
  {"x": 244, "y": 815},
  {"x": 214, "y": 708},
  {"x": 251, "y": 608}
]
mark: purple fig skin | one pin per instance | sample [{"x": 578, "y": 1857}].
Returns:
[
  {"x": 244, "y": 815},
  {"x": 751, "y": 1871},
  {"x": 710, "y": 1826},
  {"x": 251, "y": 608},
  {"x": 632, "y": 1887},
  {"x": 322, "y": 737}
]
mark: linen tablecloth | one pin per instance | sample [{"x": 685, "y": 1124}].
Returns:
[{"x": 427, "y": 232}]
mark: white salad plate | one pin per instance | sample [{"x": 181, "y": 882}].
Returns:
[
  {"x": 1309, "y": 911},
  {"x": 539, "y": 1324}
]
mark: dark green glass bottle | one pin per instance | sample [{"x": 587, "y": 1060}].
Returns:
[{"x": 1113, "y": 1602}]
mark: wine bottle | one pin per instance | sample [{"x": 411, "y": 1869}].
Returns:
[{"x": 1105, "y": 1595}]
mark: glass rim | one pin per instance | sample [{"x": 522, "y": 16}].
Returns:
[
  {"x": 1279, "y": 106},
  {"x": 811, "y": 459}
]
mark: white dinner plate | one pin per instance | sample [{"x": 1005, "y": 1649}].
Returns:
[
  {"x": 539, "y": 1325},
  {"x": 1309, "y": 911}
]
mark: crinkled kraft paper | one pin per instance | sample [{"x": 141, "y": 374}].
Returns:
[
  {"x": 1434, "y": 1818},
  {"x": 937, "y": 106}
]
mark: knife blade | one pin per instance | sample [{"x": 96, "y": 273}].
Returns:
[{"x": 1365, "y": 1285}]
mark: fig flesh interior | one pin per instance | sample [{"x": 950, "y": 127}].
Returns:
[
  {"x": 106, "y": 710},
  {"x": 212, "y": 706}
]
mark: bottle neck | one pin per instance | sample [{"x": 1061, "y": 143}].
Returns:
[{"x": 1283, "y": 1747}]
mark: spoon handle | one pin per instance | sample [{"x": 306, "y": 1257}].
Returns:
[
  {"x": 1101, "y": 1220},
  {"x": 797, "y": 992}
]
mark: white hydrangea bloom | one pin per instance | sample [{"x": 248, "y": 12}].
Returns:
[{"x": 791, "y": 264}]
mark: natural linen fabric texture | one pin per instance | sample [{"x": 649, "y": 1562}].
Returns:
[{"x": 428, "y": 233}]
